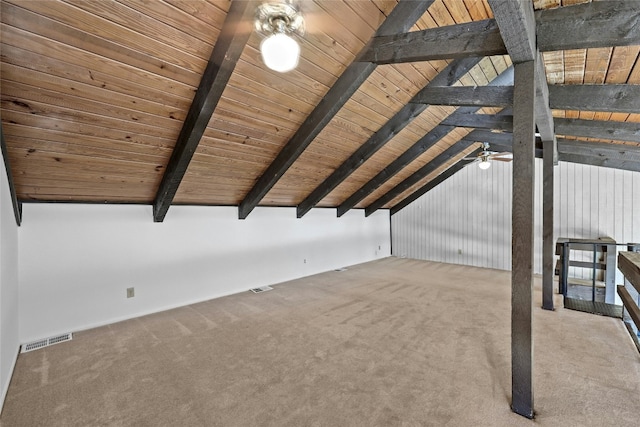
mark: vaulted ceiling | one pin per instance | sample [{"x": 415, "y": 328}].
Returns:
[{"x": 168, "y": 102}]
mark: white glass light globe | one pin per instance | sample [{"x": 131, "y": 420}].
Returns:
[
  {"x": 280, "y": 52},
  {"x": 484, "y": 164}
]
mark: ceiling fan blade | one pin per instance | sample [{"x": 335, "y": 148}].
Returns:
[
  {"x": 501, "y": 159},
  {"x": 504, "y": 155}
]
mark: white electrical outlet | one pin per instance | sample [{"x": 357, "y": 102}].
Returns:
[{"x": 131, "y": 292}]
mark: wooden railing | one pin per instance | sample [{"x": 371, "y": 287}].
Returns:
[{"x": 629, "y": 265}]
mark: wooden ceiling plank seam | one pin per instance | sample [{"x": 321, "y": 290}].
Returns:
[
  {"x": 54, "y": 69},
  {"x": 31, "y": 145},
  {"x": 26, "y": 90},
  {"x": 90, "y": 62},
  {"x": 597, "y": 64},
  {"x": 385, "y": 133},
  {"x": 55, "y": 113},
  {"x": 225, "y": 54},
  {"x": 16, "y": 204},
  {"x": 82, "y": 130},
  {"x": 119, "y": 17},
  {"x": 420, "y": 147},
  {"x": 175, "y": 17},
  {"x": 402, "y": 17},
  {"x": 449, "y": 172},
  {"x": 75, "y": 90},
  {"x": 65, "y": 34}
]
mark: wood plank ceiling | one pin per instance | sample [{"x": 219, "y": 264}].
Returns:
[{"x": 95, "y": 94}]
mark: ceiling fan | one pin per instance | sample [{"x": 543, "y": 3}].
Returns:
[{"x": 483, "y": 158}]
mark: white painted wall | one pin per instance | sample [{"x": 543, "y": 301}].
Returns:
[
  {"x": 9, "y": 343},
  {"x": 76, "y": 261},
  {"x": 471, "y": 212}
]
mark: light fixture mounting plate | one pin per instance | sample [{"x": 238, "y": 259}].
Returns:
[{"x": 279, "y": 17}]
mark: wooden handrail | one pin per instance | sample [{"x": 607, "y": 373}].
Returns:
[{"x": 630, "y": 305}]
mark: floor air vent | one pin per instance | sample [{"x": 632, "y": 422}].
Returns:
[
  {"x": 262, "y": 289},
  {"x": 46, "y": 342}
]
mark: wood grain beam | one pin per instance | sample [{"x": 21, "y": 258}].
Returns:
[
  {"x": 433, "y": 183},
  {"x": 614, "y": 98},
  {"x": 417, "y": 149},
  {"x": 400, "y": 20},
  {"x": 590, "y": 25},
  {"x": 548, "y": 257},
  {"x": 17, "y": 204},
  {"x": 594, "y": 24},
  {"x": 599, "y": 149},
  {"x": 450, "y": 75},
  {"x": 480, "y": 135},
  {"x": 472, "y": 96},
  {"x": 544, "y": 116},
  {"x": 523, "y": 239},
  {"x": 517, "y": 26},
  {"x": 605, "y": 162},
  {"x": 226, "y": 52},
  {"x": 601, "y": 129},
  {"x": 480, "y": 121},
  {"x": 479, "y": 38},
  {"x": 418, "y": 175}
]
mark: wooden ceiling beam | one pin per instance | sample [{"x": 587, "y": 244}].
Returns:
[
  {"x": 433, "y": 183},
  {"x": 235, "y": 32},
  {"x": 17, "y": 204},
  {"x": 418, "y": 175},
  {"x": 417, "y": 149},
  {"x": 612, "y": 98},
  {"x": 589, "y": 25},
  {"x": 480, "y": 121},
  {"x": 608, "y": 97},
  {"x": 599, "y": 149},
  {"x": 602, "y": 161},
  {"x": 478, "y": 38},
  {"x": 472, "y": 96},
  {"x": 450, "y": 75},
  {"x": 600, "y": 129},
  {"x": 400, "y": 20}
]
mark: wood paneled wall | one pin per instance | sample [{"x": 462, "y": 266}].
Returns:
[{"x": 467, "y": 219}]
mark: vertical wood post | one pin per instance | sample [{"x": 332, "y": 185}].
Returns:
[
  {"x": 522, "y": 238},
  {"x": 547, "y": 225}
]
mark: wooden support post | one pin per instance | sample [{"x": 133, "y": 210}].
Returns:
[
  {"x": 522, "y": 239},
  {"x": 610, "y": 274},
  {"x": 548, "y": 243}
]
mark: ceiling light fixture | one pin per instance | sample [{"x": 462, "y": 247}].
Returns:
[
  {"x": 484, "y": 164},
  {"x": 278, "y": 22}
]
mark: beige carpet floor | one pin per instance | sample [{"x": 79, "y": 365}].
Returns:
[{"x": 394, "y": 342}]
